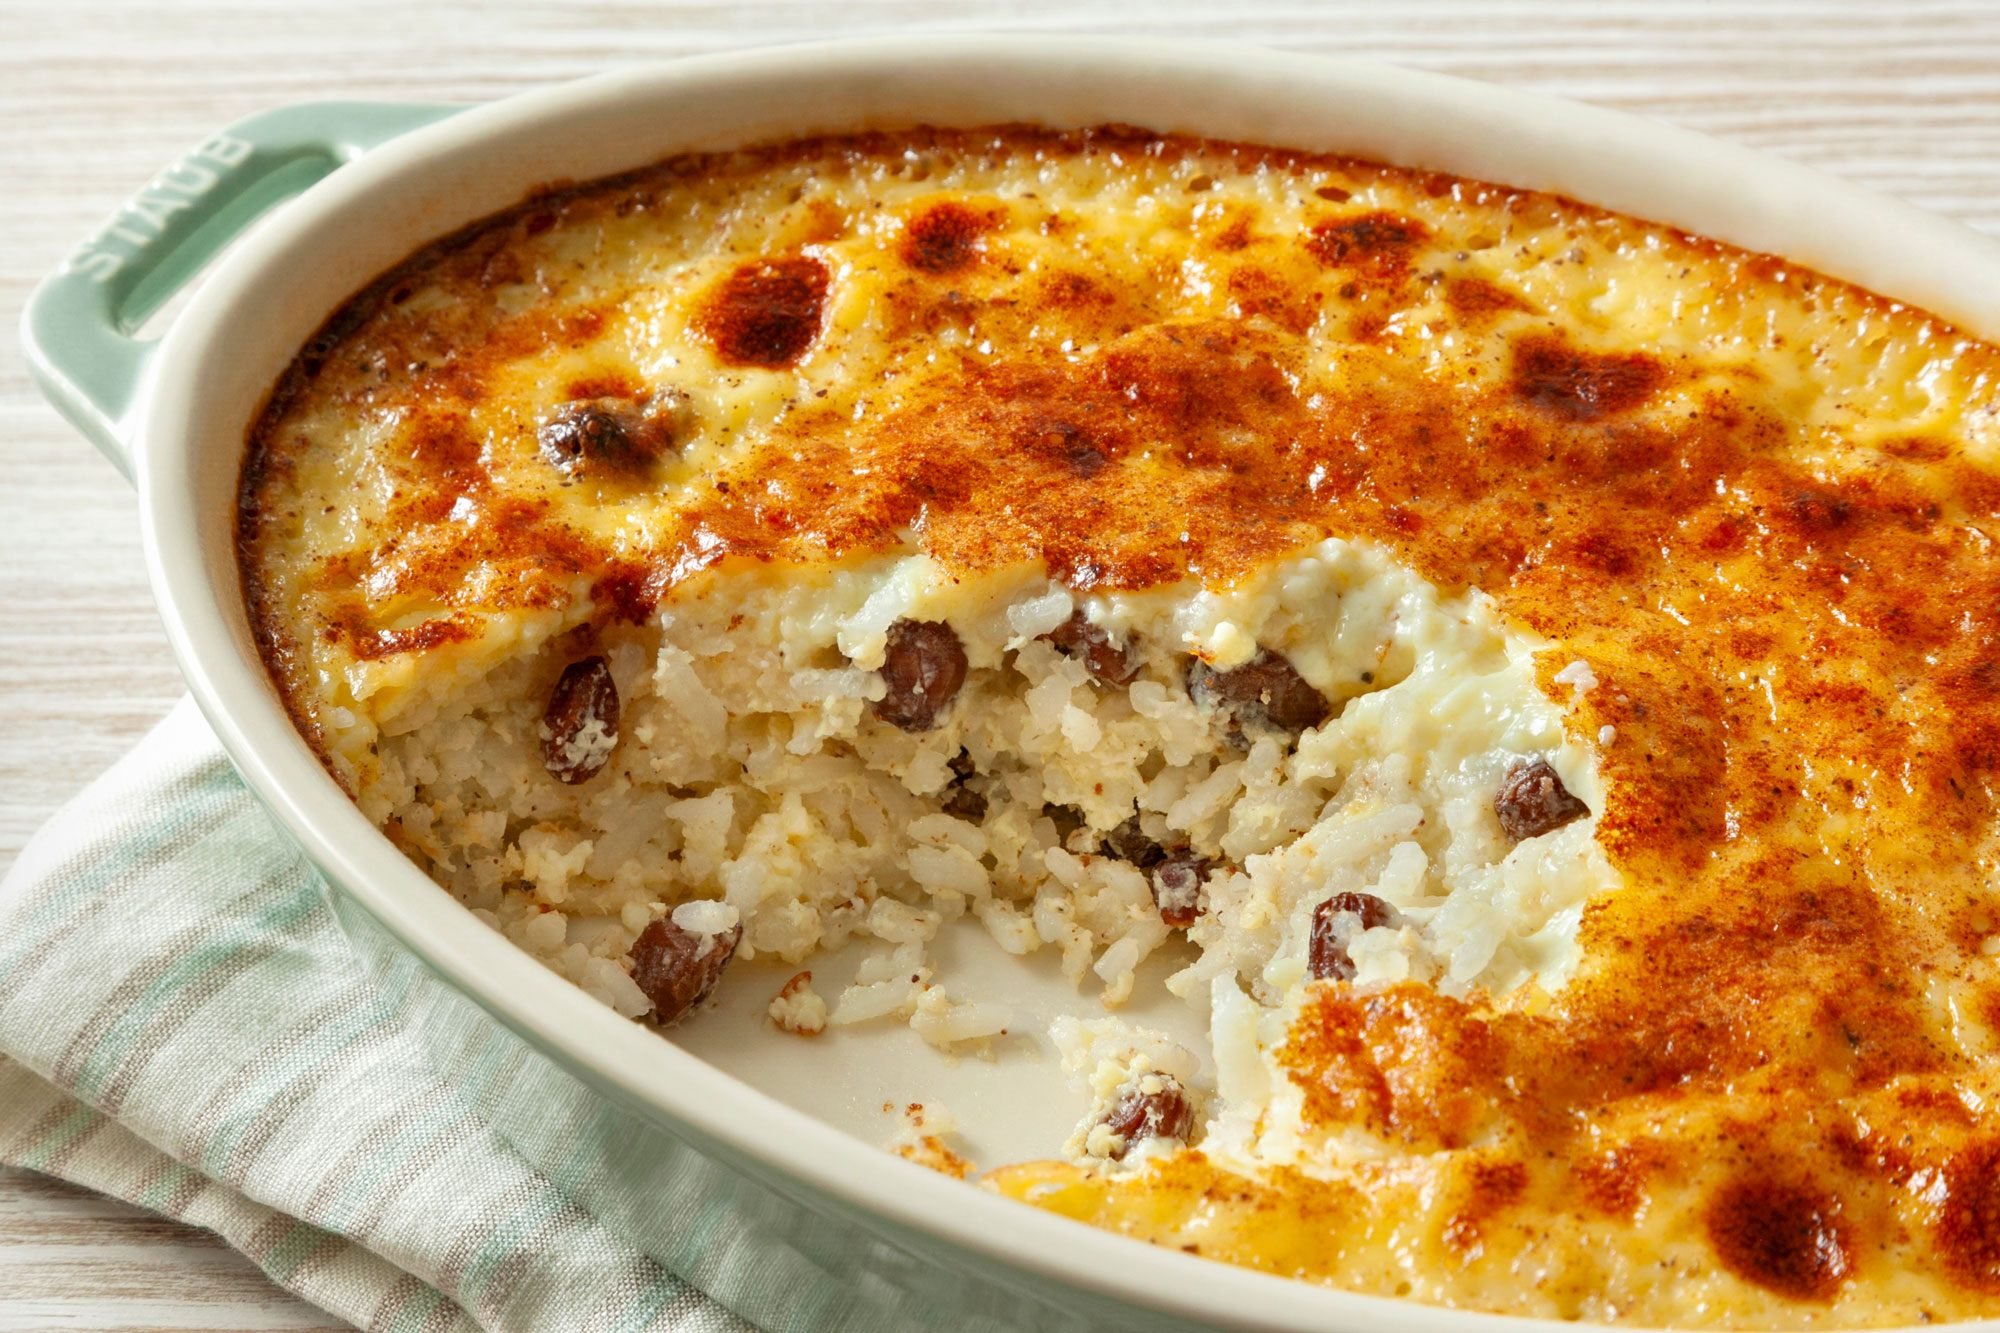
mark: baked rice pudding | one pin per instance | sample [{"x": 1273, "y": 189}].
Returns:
[{"x": 1534, "y": 673}]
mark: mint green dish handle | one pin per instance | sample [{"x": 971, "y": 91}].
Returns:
[{"x": 80, "y": 325}]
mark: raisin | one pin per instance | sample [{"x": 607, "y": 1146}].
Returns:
[
  {"x": 580, "y": 725},
  {"x": 960, "y": 800},
  {"x": 924, "y": 665},
  {"x": 1532, "y": 800},
  {"x": 1267, "y": 693},
  {"x": 965, "y": 803},
  {"x": 1177, "y": 873},
  {"x": 1177, "y": 887},
  {"x": 1067, "y": 819},
  {"x": 677, "y": 968},
  {"x": 596, "y": 437},
  {"x": 1326, "y": 950},
  {"x": 1079, "y": 637},
  {"x": 1128, "y": 842},
  {"x": 1138, "y": 1115}
]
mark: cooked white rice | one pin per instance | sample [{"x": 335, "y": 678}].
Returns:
[{"x": 750, "y": 783}]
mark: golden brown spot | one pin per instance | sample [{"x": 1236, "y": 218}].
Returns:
[
  {"x": 1786, "y": 1237},
  {"x": 1575, "y": 385},
  {"x": 1917, "y": 449},
  {"x": 767, "y": 312},
  {"x": 1968, "y": 1225},
  {"x": 1615, "y": 1182},
  {"x": 627, "y": 593},
  {"x": 576, "y": 327},
  {"x": 1378, "y": 243},
  {"x": 1235, "y": 235},
  {"x": 371, "y": 644},
  {"x": 1259, "y": 292},
  {"x": 1368, "y": 327},
  {"x": 947, "y": 237},
  {"x": 443, "y": 453},
  {"x": 1065, "y": 445},
  {"x": 1091, "y": 301},
  {"x": 1812, "y": 512},
  {"x": 1477, "y": 299},
  {"x": 1491, "y": 1188},
  {"x": 1865, "y": 1152},
  {"x": 616, "y": 384},
  {"x": 1934, "y": 1104},
  {"x": 1406, "y": 1063}
]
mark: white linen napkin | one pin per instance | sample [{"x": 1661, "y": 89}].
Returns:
[{"x": 182, "y": 1026}]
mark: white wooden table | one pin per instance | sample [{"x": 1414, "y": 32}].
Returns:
[{"x": 97, "y": 94}]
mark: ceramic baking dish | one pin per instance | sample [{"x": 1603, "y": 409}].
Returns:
[{"x": 753, "y": 1197}]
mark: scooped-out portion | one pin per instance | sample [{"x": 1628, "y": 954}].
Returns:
[{"x": 1310, "y": 774}]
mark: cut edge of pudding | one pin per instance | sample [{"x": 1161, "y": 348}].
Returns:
[{"x": 1331, "y": 770}]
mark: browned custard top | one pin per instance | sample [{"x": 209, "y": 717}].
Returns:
[{"x": 1761, "y": 505}]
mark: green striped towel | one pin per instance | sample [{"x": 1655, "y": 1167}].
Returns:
[{"x": 183, "y": 1026}]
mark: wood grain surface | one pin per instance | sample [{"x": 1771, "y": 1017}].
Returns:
[
  {"x": 95, "y": 95},
  {"x": 74, "y": 1260}
]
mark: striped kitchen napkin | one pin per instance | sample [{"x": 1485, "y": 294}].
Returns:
[{"x": 183, "y": 1026}]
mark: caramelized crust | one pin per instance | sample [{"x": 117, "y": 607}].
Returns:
[{"x": 1760, "y": 504}]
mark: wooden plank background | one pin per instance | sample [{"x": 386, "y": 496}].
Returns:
[{"x": 95, "y": 95}]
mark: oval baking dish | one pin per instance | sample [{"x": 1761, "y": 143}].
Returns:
[{"x": 652, "y": 1136}]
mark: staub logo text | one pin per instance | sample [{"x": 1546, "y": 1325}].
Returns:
[{"x": 145, "y": 217}]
